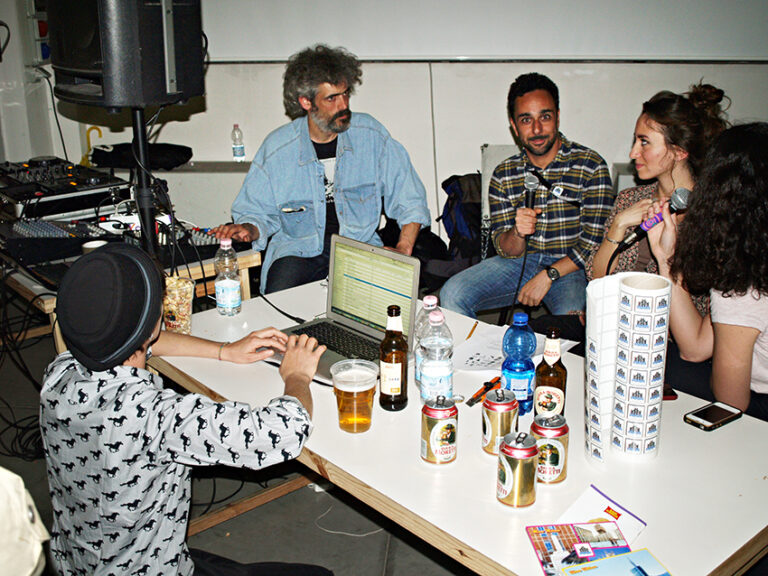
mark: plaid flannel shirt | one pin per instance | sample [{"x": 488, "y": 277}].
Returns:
[{"x": 573, "y": 212}]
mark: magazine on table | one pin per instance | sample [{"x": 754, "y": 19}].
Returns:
[
  {"x": 596, "y": 506},
  {"x": 558, "y": 546}
]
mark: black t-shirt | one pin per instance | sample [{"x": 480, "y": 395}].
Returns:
[{"x": 326, "y": 153}]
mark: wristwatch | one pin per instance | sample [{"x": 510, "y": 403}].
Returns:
[{"x": 553, "y": 273}]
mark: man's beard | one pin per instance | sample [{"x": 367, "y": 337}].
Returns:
[
  {"x": 331, "y": 125},
  {"x": 540, "y": 151}
]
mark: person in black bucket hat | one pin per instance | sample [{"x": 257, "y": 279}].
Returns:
[{"x": 119, "y": 445}]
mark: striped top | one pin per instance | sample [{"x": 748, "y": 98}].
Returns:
[{"x": 573, "y": 212}]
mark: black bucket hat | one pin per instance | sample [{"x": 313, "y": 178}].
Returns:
[{"x": 108, "y": 304}]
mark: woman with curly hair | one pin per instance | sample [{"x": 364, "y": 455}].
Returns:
[
  {"x": 671, "y": 139},
  {"x": 721, "y": 247}
]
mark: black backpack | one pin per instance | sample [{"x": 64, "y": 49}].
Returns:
[{"x": 462, "y": 220}]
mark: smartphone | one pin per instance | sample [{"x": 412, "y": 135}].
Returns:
[{"x": 712, "y": 416}]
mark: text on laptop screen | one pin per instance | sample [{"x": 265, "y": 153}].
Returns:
[{"x": 364, "y": 284}]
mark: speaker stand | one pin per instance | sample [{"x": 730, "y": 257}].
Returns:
[{"x": 144, "y": 195}]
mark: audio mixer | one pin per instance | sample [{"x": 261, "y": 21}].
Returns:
[
  {"x": 33, "y": 241},
  {"x": 47, "y": 185}
]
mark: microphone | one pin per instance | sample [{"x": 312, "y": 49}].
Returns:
[
  {"x": 531, "y": 184},
  {"x": 678, "y": 202}
]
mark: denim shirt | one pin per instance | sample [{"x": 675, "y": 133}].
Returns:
[{"x": 284, "y": 194}]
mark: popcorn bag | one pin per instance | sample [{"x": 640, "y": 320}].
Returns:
[{"x": 177, "y": 304}]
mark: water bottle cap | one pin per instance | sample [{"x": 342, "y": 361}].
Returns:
[
  {"x": 430, "y": 302},
  {"x": 436, "y": 317},
  {"x": 236, "y": 126},
  {"x": 226, "y": 242},
  {"x": 520, "y": 319}
]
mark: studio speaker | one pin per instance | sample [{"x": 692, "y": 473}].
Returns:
[{"x": 126, "y": 53}]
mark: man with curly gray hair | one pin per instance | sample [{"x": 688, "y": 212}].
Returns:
[{"x": 326, "y": 172}]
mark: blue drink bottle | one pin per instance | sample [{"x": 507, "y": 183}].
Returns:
[{"x": 518, "y": 371}]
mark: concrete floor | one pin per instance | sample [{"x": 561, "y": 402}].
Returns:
[{"x": 328, "y": 528}]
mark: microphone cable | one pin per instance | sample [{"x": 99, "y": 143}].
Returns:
[
  {"x": 531, "y": 184},
  {"x": 296, "y": 319},
  {"x": 616, "y": 251}
]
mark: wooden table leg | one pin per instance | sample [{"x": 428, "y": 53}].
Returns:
[{"x": 249, "y": 503}]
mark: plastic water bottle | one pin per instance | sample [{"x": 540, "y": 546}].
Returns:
[
  {"x": 436, "y": 350},
  {"x": 228, "y": 297},
  {"x": 420, "y": 325},
  {"x": 238, "y": 148},
  {"x": 518, "y": 371}
]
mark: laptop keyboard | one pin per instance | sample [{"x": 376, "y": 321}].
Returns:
[{"x": 344, "y": 342}]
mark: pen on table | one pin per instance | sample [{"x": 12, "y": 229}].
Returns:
[{"x": 471, "y": 331}]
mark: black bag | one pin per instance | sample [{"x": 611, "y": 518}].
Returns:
[
  {"x": 161, "y": 156},
  {"x": 462, "y": 219}
]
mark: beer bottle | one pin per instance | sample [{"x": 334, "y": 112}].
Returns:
[
  {"x": 551, "y": 378},
  {"x": 393, "y": 363}
]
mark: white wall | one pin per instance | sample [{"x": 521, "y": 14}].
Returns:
[
  {"x": 441, "y": 112},
  {"x": 261, "y": 30}
]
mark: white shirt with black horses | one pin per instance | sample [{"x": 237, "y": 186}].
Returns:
[{"x": 119, "y": 448}]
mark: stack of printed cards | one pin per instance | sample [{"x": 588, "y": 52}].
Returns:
[
  {"x": 640, "y": 359},
  {"x": 627, "y": 318}
]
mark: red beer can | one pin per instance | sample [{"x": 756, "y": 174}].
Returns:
[
  {"x": 500, "y": 410},
  {"x": 516, "y": 476},
  {"x": 551, "y": 433},
  {"x": 439, "y": 430}
]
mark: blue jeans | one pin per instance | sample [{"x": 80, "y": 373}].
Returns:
[{"x": 491, "y": 284}]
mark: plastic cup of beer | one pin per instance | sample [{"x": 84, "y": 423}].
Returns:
[
  {"x": 354, "y": 384},
  {"x": 177, "y": 304}
]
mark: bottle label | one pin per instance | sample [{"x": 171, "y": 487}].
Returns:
[
  {"x": 519, "y": 383},
  {"x": 391, "y": 376},
  {"x": 418, "y": 360},
  {"x": 394, "y": 324},
  {"x": 548, "y": 400},
  {"x": 228, "y": 294},
  {"x": 436, "y": 379},
  {"x": 238, "y": 152},
  {"x": 551, "y": 351}
]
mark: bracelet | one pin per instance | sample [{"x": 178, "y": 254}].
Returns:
[
  {"x": 611, "y": 240},
  {"x": 221, "y": 348}
]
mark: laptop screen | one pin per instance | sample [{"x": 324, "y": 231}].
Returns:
[{"x": 365, "y": 279}]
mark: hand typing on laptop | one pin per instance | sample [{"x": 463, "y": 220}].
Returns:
[
  {"x": 298, "y": 367},
  {"x": 256, "y": 346}
]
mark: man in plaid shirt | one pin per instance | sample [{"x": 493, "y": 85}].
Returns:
[{"x": 542, "y": 248}]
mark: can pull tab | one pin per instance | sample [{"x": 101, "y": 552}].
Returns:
[
  {"x": 440, "y": 401},
  {"x": 499, "y": 395},
  {"x": 521, "y": 436},
  {"x": 550, "y": 421}
]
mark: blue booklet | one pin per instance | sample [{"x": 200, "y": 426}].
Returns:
[{"x": 637, "y": 563}]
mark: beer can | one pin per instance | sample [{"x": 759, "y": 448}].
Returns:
[
  {"x": 551, "y": 433},
  {"x": 500, "y": 410},
  {"x": 516, "y": 478},
  {"x": 439, "y": 430}
]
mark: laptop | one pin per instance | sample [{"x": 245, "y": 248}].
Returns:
[{"x": 362, "y": 281}]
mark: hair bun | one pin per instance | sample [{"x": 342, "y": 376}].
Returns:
[{"x": 707, "y": 98}]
